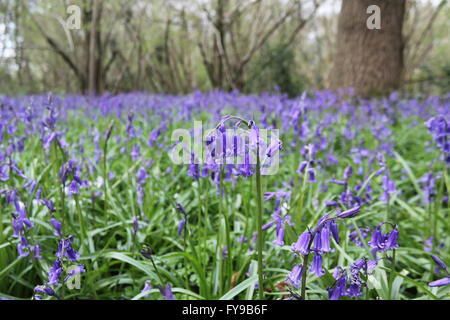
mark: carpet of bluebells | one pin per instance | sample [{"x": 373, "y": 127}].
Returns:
[{"x": 93, "y": 207}]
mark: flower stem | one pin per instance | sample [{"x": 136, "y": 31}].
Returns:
[
  {"x": 392, "y": 276},
  {"x": 259, "y": 219}
]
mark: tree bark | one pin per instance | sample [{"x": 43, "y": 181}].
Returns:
[
  {"x": 92, "y": 63},
  {"x": 369, "y": 61}
]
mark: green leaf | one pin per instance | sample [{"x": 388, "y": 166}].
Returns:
[{"x": 240, "y": 287}]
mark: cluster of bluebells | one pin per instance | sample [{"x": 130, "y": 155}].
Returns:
[
  {"x": 382, "y": 242},
  {"x": 20, "y": 225},
  {"x": 141, "y": 178},
  {"x": 379, "y": 243},
  {"x": 342, "y": 288},
  {"x": 229, "y": 151},
  {"x": 317, "y": 241},
  {"x": 349, "y": 197},
  {"x": 439, "y": 128},
  {"x": 70, "y": 171},
  {"x": 66, "y": 255}
]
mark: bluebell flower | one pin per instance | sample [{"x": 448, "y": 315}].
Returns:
[
  {"x": 340, "y": 285},
  {"x": 65, "y": 250},
  {"x": 167, "y": 293},
  {"x": 181, "y": 226},
  {"x": 302, "y": 243},
  {"x": 382, "y": 242},
  {"x": 57, "y": 226},
  {"x": 316, "y": 265},
  {"x": 280, "y": 235},
  {"x": 295, "y": 276},
  {"x": 55, "y": 272},
  {"x": 334, "y": 231},
  {"x": 45, "y": 290},
  {"x": 325, "y": 239},
  {"x": 147, "y": 287}
]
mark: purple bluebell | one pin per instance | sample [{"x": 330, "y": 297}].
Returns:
[
  {"x": 54, "y": 273},
  {"x": 57, "y": 226},
  {"x": 302, "y": 243},
  {"x": 45, "y": 290},
  {"x": 147, "y": 287},
  {"x": 295, "y": 276},
  {"x": 316, "y": 265},
  {"x": 167, "y": 292}
]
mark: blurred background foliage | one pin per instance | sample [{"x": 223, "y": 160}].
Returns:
[{"x": 173, "y": 46}]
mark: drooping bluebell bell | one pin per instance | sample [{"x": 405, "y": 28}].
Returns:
[
  {"x": 316, "y": 265},
  {"x": 295, "y": 276},
  {"x": 147, "y": 287},
  {"x": 302, "y": 243},
  {"x": 54, "y": 273},
  {"x": 57, "y": 226},
  {"x": 167, "y": 292}
]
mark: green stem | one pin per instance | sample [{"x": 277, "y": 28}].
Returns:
[
  {"x": 298, "y": 223},
  {"x": 260, "y": 234},
  {"x": 81, "y": 221},
  {"x": 392, "y": 274}
]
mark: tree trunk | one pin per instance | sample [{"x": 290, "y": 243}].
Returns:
[
  {"x": 369, "y": 60},
  {"x": 93, "y": 34}
]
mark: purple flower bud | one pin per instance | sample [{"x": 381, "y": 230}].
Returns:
[
  {"x": 267, "y": 225},
  {"x": 391, "y": 242},
  {"x": 167, "y": 293},
  {"x": 302, "y": 166},
  {"x": 135, "y": 225},
  {"x": 181, "y": 226},
  {"x": 440, "y": 283},
  {"x": 439, "y": 262},
  {"x": 349, "y": 213},
  {"x": 348, "y": 172}
]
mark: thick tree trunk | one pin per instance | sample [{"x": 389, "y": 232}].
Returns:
[{"x": 370, "y": 61}]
